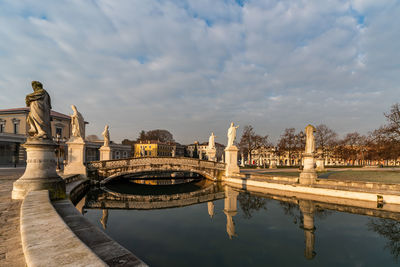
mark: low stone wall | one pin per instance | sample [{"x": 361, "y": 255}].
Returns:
[
  {"x": 283, "y": 179},
  {"x": 42, "y": 230},
  {"x": 77, "y": 189},
  {"x": 386, "y": 197},
  {"x": 360, "y": 185}
]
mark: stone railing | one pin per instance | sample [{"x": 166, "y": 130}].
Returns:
[
  {"x": 102, "y": 171},
  {"x": 110, "y": 164}
]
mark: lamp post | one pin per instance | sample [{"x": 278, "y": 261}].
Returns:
[{"x": 58, "y": 138}]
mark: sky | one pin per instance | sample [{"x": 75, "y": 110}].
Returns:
[{"x": 193, "y": 66}]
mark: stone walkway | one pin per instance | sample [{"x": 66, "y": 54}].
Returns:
[{"x": 11, "y": 253}]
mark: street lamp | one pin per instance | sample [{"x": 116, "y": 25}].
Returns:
[{"x": 58, "y": 139}]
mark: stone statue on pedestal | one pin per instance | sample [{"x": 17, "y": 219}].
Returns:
[
  {"x": 105, "y": 150},
  {"x": 106, "y": 135},
  {"x": 39, "y": 115},
  {"x": 211, "y": 141},
  {"x": 40, "y": 172},
  {"x": 76, "y": 145},
  {"x": 310, "y": 140},
  {"x": 308, "y": 176},
  {"x": 231, "y": 134},
  {"x": 77, "y": 123}
]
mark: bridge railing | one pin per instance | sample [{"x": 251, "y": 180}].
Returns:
[{"x": 117, "y": 163}]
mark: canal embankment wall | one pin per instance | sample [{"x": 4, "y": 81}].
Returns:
[
  {"x": 43, "y": 230},
  {"x": 352, "y": 190},
  {"x": 68, "y": 238}
]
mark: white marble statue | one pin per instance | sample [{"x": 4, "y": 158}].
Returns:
[
  {"x": 39, "y": 115},
  {"x": 211, "y": 141},
  {"x": 231, "y": 134},
  {"x": 106, "y": 136},
  {"x": 77, "y": 123},
  {"x": 310, "y": 140}
]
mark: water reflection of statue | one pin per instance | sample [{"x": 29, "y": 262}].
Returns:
[
  {"x": 210, "y": 206},
  {"x": 211, "y": 141},
  {"x": 307, "y": 209},
  {"x": 310, "y": 140},
  {"x": 230, "y": 210},
  {"x": 77, "y": 123},
  {"x": 106, "y": 136},
  {"x": 231, "y": 134},
  {"x": 104, "y": 219},
  {"x": 39, "y": 115}
]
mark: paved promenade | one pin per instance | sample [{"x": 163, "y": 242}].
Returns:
[{"x": 11, "y": 253}]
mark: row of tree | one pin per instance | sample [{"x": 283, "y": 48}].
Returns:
[{"x": 382, "y": 144}]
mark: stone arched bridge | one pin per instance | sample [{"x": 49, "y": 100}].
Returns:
[{"x": 102, "y": 171}]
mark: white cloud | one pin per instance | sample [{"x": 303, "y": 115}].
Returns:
[{"x": 194, "y": 66}]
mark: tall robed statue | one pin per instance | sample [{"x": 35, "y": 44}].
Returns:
[
  {"x": 39, "y": 115},
  {"x": 77, "y": 123},
  {"x": 211, "y": 141},
  {"x": 231, "y": 134},
  {"x": 106, "y": 136},
  {"x": 310, "y": 140}
]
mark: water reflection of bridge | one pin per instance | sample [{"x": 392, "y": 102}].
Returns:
[
  {"x": 106, "y": 199},
  {"x": 308, "y": 209}
]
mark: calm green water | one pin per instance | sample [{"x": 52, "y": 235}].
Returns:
[{"x": 258, "y": 231}]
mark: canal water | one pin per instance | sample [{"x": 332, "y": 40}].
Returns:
[{"x": 204, "y": 224}]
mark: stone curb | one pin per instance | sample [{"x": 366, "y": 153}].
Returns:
[{"x": 47, "y": 240}]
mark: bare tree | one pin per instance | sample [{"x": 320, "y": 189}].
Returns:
[
  {"x": 287, "y": 143},
  {"x": 251, "y": 141},
  {"x": 325, "y": 137},
  {"x": 393, "y": 117},
  {"x": 351, "y": 146},
  {"x": 159, "y": 135}
]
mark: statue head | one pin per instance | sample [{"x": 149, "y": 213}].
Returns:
[
  {"x": 106, "y": 127},
  {"x": 37, "y": 85},
  {"x": 74, "y": 109},
  {"x": 232, "y": 124}
]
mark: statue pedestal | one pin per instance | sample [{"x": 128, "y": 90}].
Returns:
[
  {"x": 76, "y": 157},
  {"x": 308, "y": 175},
  {"x": 211, "y": 154},
  {"x": 40, "y": 172},
  {"x": 320, "y": 165},
  {"x": 105, "y": 153},
  {"x": 273, "y": 164},
  {"x": 231, "y": 168}
]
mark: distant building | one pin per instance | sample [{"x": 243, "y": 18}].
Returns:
[
  {"x": 178, "y": 150},
  {"x": 118, "y": 151},
  {"x": 152, "y": 148},
  {"x": 14, "y": 131}
]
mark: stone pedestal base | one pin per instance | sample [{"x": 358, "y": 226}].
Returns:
[
  {"x": 40, "y": 172},
  {"x": 273, "y": 164},
  {"x": 320, "y": 165},
  {"x": 231, "y": 168},
  {"x": 308, "y": 176},
  {"x": 105, "y": 153},
  {"x": 212, "y": 155},
  {"x": 76, "y": 157}
]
